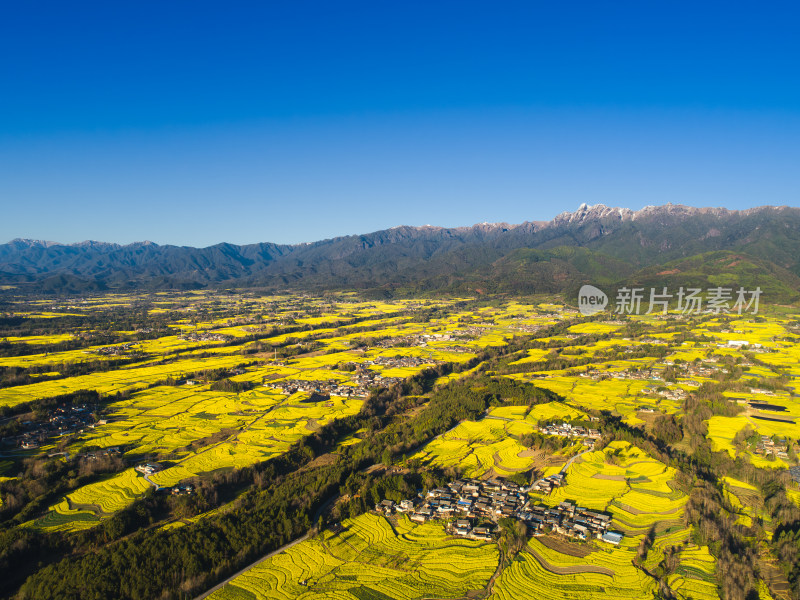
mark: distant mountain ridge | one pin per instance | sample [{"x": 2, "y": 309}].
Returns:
[{"x": 593, "y": 243}]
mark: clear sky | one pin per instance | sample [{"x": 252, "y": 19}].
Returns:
[{"x": 193, "y": 123}]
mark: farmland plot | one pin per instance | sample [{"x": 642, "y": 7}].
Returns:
[{"x": 371, "y": 559}]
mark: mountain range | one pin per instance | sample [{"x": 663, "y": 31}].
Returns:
[{"x": 658, "y": 245}]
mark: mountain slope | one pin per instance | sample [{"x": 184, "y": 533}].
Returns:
[
  {"x": 721, "y": 269},
  {"x": 604, "y": 243}
]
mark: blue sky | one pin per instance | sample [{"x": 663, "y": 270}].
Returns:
[{"x": 194, "y": 123}]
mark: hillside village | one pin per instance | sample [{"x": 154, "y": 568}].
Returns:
[
  {"x": 60, "y": 421},
  {"x": 474, "y": 507}
]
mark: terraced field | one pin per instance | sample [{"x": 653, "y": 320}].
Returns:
[
  {"x": 112, "y": 382},
  {"x": 371, "y": 559},
  {"x": 694, "y": 577},
  {"x": 62, "y": 517},
  {"x": 620, "y": 396},
  {"x": 194, "y": 431},
  {"x": 539, "y": 572},
  {"x": 261, "y": 424},
  {"x": 276, "y": 345},
  {"x": 111, "y": 494},
  {"x": 478, "y": 447},
  {"x": 624, "y": 481}
]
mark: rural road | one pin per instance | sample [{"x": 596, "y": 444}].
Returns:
[
  {"x": 266, "y": 556},
  {"x": 571, "y": 460},
  {"x": 250, "y": 566}
]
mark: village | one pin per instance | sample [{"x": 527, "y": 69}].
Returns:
[
  {"x": 117, "y": 350},
  {"x": 204, "y": 337},
  {"x": 422, "y": 340},
  {"x": 565, "y": 429},
  {"x": 362, "y": 379},
  {"x": 767, "y": 446},
  {"x": 61, "y": 421},
  {"x": 473, "y": 508},
  {"x": 324, "y": 387}
]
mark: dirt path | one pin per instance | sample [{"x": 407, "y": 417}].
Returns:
[
  {"x": 571, "y": 570},
  {"x": 564, "y": 547},
  {"x": 493, "y": 579}
]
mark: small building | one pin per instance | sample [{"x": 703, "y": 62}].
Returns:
[
  {"x": 419, "y": 517},
  {"x": 461, "y": 527},
  {"x": 481, "y": 533},
  {"x": 149, "y": 468},
  {"x": 612, "y": 537},
  {"x": 184, "y": 489},
  {"x": 567, "y": 507}
]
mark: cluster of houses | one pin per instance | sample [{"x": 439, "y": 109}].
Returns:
[
  {"x": 364, "y": 378},
  {"x": 360, "y": 381},
  {"x": 436, "y": 337},
  {"x": 565, "y": 429},
  {"x": 98, "y": 454},
  {"x": 739, "y": 344},
  {"x": 653, "y": 341},
  {"x": 204, "y": 337},
  {"x": 182, "y": 489},
  {"x": 329, "y": 387},
  {"x": 454, "y": 349},
  {"x": 472, "y": 508},
  {"x": 547, "y": 484},
  {"x": 382, "y": 380},
  {"x": 699, "y": 370},
  {"x": 64, "y": 420},
  {"x": 671, "y": 393},
  {"x": 528, "y": 328},
  {"x": 766, "y": 446},
  {"x": 471, "y": 332},
  {"x": 674, "y": 394},
  {"x": 638, "y": 375},
  {"x": 401, "y": 361},
  {"x": 117, "y": 350},
  {"x": 391, "y": 342},
  {"x": 572, "y": 521},
  {"x": 424, "y": 339}
]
